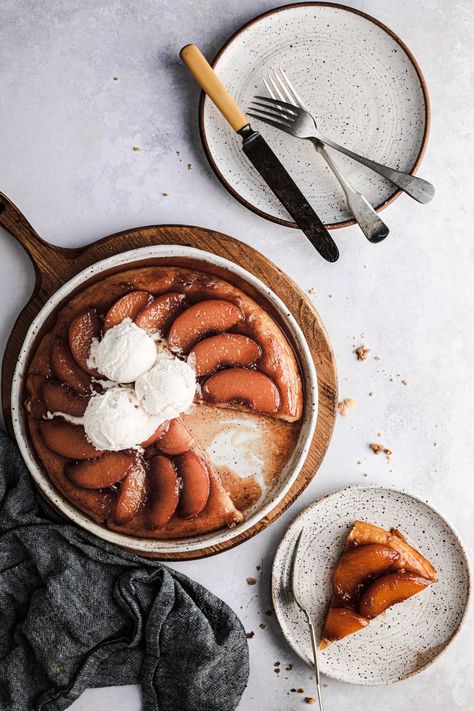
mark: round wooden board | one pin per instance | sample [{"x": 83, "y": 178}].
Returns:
[{"x": 56, "y": 265}]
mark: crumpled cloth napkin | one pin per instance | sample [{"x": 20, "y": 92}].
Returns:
[{"x": 77, "y": 612}]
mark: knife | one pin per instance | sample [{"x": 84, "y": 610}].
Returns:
[{"x": 260, "y": 155}]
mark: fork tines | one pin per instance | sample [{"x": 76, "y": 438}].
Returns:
[{"x": 276, "y": 112}]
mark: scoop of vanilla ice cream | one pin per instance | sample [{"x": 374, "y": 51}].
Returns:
[
  {"x": 124, "y": 353},
  {"x": 168, "y": 388},
  {"x": 115, "y": 420}
]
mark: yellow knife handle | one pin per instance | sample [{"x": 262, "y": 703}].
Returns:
[{"x": 212, "y": 86}]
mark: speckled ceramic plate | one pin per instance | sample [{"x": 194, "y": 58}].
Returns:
[
  {"x": 362, "y": 84},
  {"x": 410, "y": 635}
]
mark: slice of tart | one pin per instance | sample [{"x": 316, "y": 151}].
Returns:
[{"x": 377, "y": 570}]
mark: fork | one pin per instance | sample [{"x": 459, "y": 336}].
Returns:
[
  {"x": 294, "y": 574},
  {"x": 300, "y": 123},
  {"x": 280, "y": 87}
]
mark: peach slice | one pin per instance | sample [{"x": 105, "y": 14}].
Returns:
[
  {"x": 341, "y": 622},
  {"x": 388, "y": 590},
  {"x": 357, "y": 565},
  {"x": 129, "y": 306},
  {"x": 225, "y": 349},
  {"x": 66, "y": 369},
  {"x": 410, "y": 559},
  {"x": 60, "y": 398},
  {"x": 164, "y": 491},
  {"x": 248, "y": 388},
  {"x": 82, "y": 330},
  {"x": 201, "y": 320},
  {"x": 157, "y": 434},
  {"x": 67, "y": 440},
  {"x": 196, "y": 485},
  {"x": 157, "y": 316},
  {"x": 176, "y": 440},
  {"x": 131, "y": 495},
  {"x": 101, "y": 473}
]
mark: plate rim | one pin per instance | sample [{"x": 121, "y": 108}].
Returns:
[
  {"x": 396, "y": 490},
  {"x": 274, "y": 11}
]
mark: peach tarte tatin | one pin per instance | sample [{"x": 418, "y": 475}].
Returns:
[
  {"x": 167, "y": 487},
  {"x": 377, "y": 570}
]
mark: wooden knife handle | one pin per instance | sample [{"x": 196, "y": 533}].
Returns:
[{"x": 212, "y": 85}]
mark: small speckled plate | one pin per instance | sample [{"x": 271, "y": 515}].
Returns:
[
  {"x": 360, "y": 81},
  {"x": 409, "y": 636}
]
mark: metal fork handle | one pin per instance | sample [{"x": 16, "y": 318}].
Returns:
[
  {"x": 419, "y": 189},
  {"x": 366, "y": 217},
  {"x": 314, "y": 646}
]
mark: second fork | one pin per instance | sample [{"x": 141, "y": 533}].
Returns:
[{"x": 279, "y": 87}]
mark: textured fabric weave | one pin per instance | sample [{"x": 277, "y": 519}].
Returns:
[{"x": 77, "y": 612}]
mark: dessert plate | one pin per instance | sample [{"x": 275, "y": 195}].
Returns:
[
  {"x": 359, "y": 80},
  {"x": 409, "y": 636}
]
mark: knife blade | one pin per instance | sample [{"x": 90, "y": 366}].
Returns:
[
  {"x": 283, "y": 186},
  {"x": 261, "y": 155}
]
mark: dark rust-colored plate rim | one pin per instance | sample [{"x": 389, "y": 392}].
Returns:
[{"x": 282, "y": 8}]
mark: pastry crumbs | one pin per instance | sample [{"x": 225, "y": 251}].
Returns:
[
  {"x": 362, "y": 352},
  {"x": 381, "y": 449}
]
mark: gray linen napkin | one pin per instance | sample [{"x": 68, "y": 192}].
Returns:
[{"x": 77, "y": 612}]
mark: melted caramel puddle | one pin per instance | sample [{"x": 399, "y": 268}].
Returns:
[{"x": 248, "y": 450}]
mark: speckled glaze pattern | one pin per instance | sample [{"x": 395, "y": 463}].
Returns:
[
  {"x": 362, "y": 85},
  {"x": 408, "y": 636}
]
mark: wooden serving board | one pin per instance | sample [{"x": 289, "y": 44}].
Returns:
[{"x": 56, "y": 265}]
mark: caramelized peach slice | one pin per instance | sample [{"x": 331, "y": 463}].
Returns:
[
  {"x": 225, "y": 349},
  {"x": 341, "y": 622},
  {"x": 129, "y": 306},
  {"x": 176, "y": 440},
  {"x": 410, "y": 559},
  {"x": 196, "y": 485},
  {"x": 157, "y": 316},
  {"x": 59, "y": 398},
  {"x": 388, "y": 590},
  {"x": 82, "y": 330},
  {"x": 157, "y": 434},
  {"x": 358, "y": 565},
  {"x": 66, "y": 369},
  {"x": 249, "y": 388},
  {"x": 164, "y": 491},
  {"x": 67, "y": 440},
  {"x": 200, "y": 320},
  {"x": 103, "y": 472},
  {"x": 131, "y": 495}
]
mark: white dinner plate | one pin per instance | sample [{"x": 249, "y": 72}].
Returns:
[
  {"x": 408, "y": 636},
  {"x": 357, "y": 77}
]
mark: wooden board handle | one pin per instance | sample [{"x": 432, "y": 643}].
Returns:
[
  {"x": 212, "y": 85},
  {"x": 15, "y": 223}
]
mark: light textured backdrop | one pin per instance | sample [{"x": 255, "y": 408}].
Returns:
[{"x": 66, "y": 136}]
